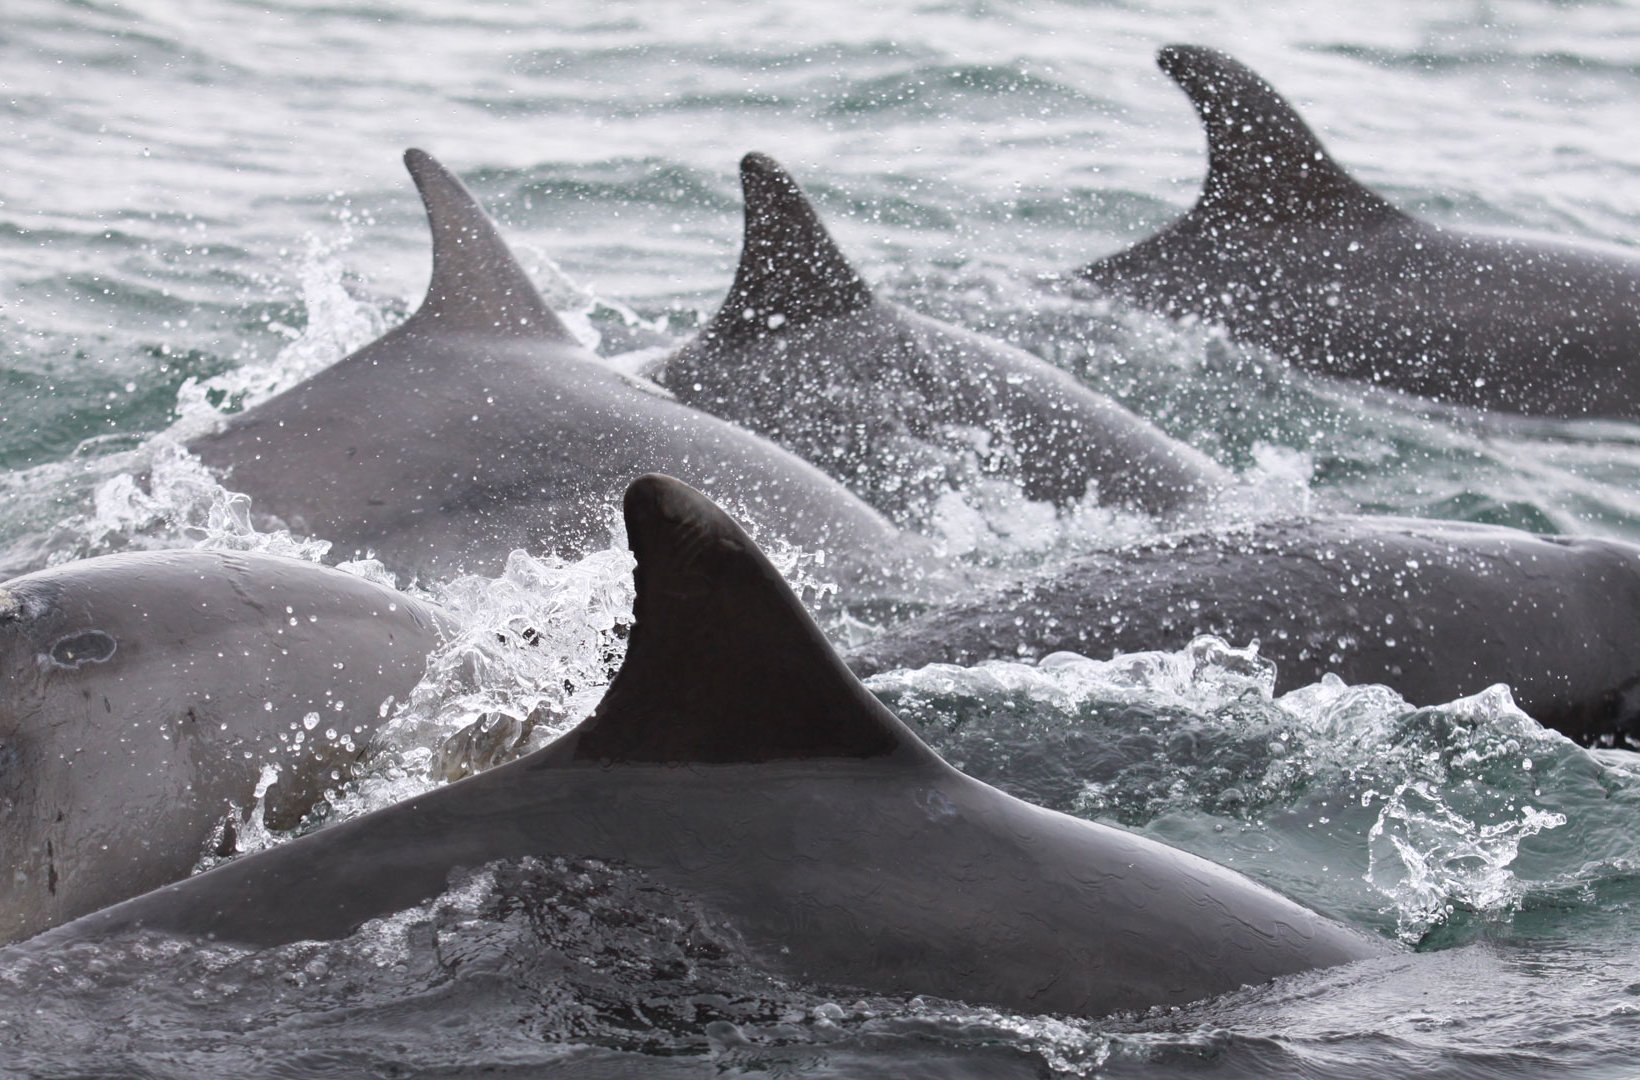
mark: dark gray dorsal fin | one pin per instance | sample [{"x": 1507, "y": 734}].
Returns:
[
  {"x": 723, "y": 665},
  {"x": 790, "y": 268},
  {"x": 477, "y": 286},
  {"x": 1264, "y": 163}
]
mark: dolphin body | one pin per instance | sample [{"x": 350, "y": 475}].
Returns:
[
  {"x": 480, "y": 425},
  {"x": 889, "y": 401},
  {"x": 1289, "y": 252},
  {"x": 1434, "y": 609},
  {"x": 735, "y": 759},
  {"x": 143, "y": 697}
]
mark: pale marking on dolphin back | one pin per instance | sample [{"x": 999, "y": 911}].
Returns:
[
  {"x": 937, "y": 805},
  {"x": 10, "y": 606},
  {"x": 85, "y": 647}
]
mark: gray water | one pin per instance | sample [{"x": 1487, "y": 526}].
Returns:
[{"x": 202, "y": 202}]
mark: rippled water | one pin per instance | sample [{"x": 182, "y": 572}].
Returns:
[{"x": 203, "y": 202}]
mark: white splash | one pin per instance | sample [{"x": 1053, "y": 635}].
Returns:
[
  {"x": 337, "y": 324},
  {"x": 1203, "y": 675},
  {"x": 1442, "y": 797},
  {"x": 577, "y": 304},
  {"x": 181, "y": 505},
  {"x": 533, "y": 652},
  {"x": 990, "y": 519}
]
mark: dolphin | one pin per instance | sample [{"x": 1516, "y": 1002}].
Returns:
[
  {"x": 146, "y": 699},
  {"x": 1287, "y": 251},
  {"x": 890, "y": 401},
  {"x": 734, "y": 759},
  {"x": 1433, "y": 609},
  {"x": 480, "y": 425}
]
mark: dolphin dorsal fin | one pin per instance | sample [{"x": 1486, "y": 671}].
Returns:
[
  {"x": 1264, "y": 163},
  {"x": 723, "y": 665},
  {"x": 477, "y": 286},
  {"x": 791, "y": 270}
]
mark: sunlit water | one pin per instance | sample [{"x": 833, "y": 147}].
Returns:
[{"x": 202, "y": 203}]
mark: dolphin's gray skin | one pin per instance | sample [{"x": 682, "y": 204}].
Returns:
[
  {"x": 1287, "y": 251},
  {"x": 1436, "y": 610},
  {"x": 480, "y": 425},
  {"x": 736, "y": 759},
  {"x": 887, "y": 400},
  {"x": 142, "y": 696}
]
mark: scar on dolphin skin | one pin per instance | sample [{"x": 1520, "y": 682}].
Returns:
[{"x": 85, "y": 647}]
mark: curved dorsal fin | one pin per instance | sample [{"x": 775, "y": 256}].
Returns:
[
  {"x": 477, "y": 286},
  {"x": 1264, "y": 163},
  {"x": 790, "y": 268},
  {"x": 723, "y": 664}
]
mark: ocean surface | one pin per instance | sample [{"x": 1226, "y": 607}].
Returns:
[{"x": 202, "y": 202}]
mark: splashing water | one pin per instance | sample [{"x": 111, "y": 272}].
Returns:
[
  {"x": 337, "y": 324},
  {"x": 582, "y": 308},
  {"x": 182, "y": 505},
  {"x": 159, "y": 496},
  {"x": 990, "y": 521},
  {"x": 1432, "y": 806},
  {"x": 1452, "y": 824},
  {"x": 533, "y": 652}
]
